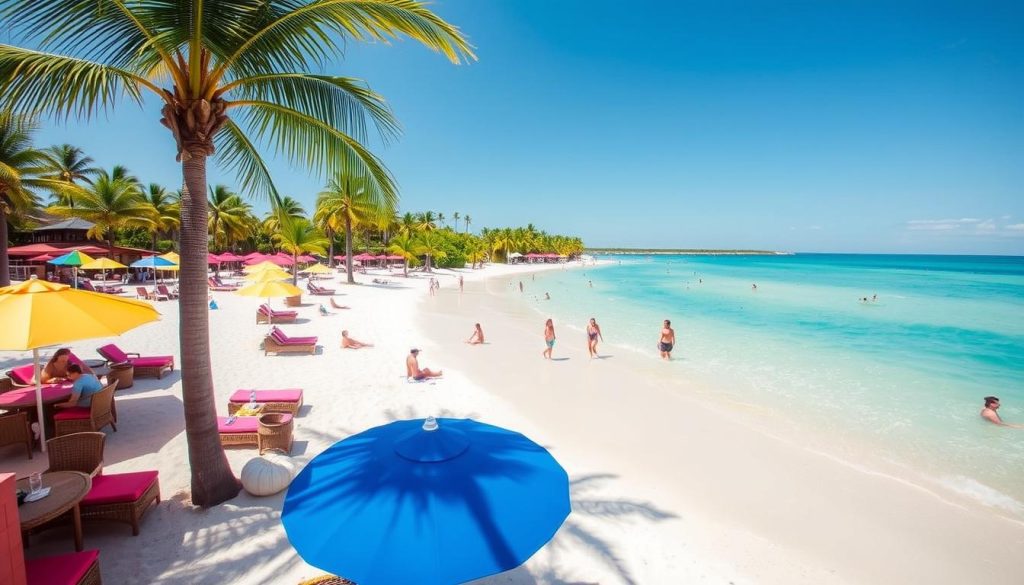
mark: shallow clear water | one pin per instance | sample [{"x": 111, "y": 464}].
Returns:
[{"x": 904, "y": 375}]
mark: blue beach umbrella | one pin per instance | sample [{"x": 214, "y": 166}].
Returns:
[
  {"x": 153, "y": 262},
  {"x": 427, "y": 502}
]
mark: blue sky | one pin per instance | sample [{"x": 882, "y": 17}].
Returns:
[{"x": 803, "y": 126}]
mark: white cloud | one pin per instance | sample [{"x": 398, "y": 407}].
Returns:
[
  {"x": 941, "y": 224},
  {"x": 1017, "y": 227},
  {"x": 967, "y": 226}
]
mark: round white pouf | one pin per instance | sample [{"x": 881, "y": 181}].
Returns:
[{"x": 267, "y": 475}]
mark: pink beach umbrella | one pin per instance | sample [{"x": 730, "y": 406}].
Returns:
[
  {"x": 252, "y": 255},
  {"x": 42, "y": 258},
  {"x": 306, "y": 258},
  {"x": 213, "y": 259},
  {"x": 229, "y": 257}
]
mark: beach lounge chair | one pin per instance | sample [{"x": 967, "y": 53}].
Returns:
[
  {"x": 94, "y": 417},
  {"x": 219, "y": 287},
  {"x": 287, "y": 400},
  {"x": 142, "y": 292},
  {"x": 121, "y": 497},
  {"x": 14, "y": 430},
  {"x": 265, "y": 314},
  {"x": 162, "y": 289},
  {"x": 318, "y": 290},
  {"x": 23, "y": 376},
  {"x": 278, "y": 342},
  {"x": 144, "y": 365},
  {"x": 80, "y": 568},
  {"x": 81, "y": 452},
  {"x": 244, "y": 431}
]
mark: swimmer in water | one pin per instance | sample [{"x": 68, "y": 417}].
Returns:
[{"x": 989, "y": 413}]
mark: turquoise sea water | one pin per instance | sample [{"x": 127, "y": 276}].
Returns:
[{"x": 903, "y": 376}]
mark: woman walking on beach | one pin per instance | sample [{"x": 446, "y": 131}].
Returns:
[
  {"x": 593, "y": 334},
  {"x": 549, "y": 338}
]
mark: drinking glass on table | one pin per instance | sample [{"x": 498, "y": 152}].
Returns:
[{"x": 35, "y": 482}]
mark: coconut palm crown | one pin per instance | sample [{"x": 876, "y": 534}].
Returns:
[{"x": 229, "y": 76}]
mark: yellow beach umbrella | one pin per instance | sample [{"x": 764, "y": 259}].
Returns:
[
  {"x": 103, "y": 264},
  {"x": 319, "y": 269},
  {"x": 172, "y": 256},
  {"x": 272, "y": 289},
  {"x": 265, "y": 265},
  {"x": 36, "y": 314}
]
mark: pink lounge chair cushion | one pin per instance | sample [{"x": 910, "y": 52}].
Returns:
[
  {"x": 278, "y": 335},
  {"x": 73, "y": 413},
  {"x": 283, "y": 395},
  {"x": 242, "y": 424},
  {"x": 119, "y": 488},
  {"x": 297, "y": 341},
  {"x": 60, "y": 569},
  {"x": 156, "y": 361},
  {"x": 113, "y": 353},
  {"x": 23, "y": 374}
]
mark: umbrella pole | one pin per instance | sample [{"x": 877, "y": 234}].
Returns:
[
  {"x": 39, "y": 400},
  {"x": 74, "y": 276}
]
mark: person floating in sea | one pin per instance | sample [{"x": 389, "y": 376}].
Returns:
[
  {"x": 590, "y": 283},
  {"x": 477, "y": 337},
  {"x": 753, "y": 287},
  {"x": 593, "y": 334},
  {"x": 549, "y": 338},
  {"x": 874, "y": 297},
  {"x": 413, "y": 370},
  {"x": 351, "y": 343},
  {"x": 667, "y": 340},
  {"x": 547, "y": 297},
  {"x": 989, "y": 413}
]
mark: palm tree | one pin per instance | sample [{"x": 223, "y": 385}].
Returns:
[
  {"x": 429, "y": 244},
  {"x": 203, "y": 60},
  {"x": 469, "y": 220},
  {"x": 69, "y": 164},
  {"x": 354, "y": 200},
  {"x": 476, "y": 251},
  {"x": 408, "y": 224},
  {"x": 228, "y": 216},
  {"x": 407, "y": 247},
  {"x": 21, "y": 171},
  {"x": 455, "y": 218},
  {"x": 427, "y": 221},
  {"x": 440, "y": 218},
  {"x": 166, "y": 211},
  {"x": 288, "y": 207},
  {"x": 111, "y": 203},
  {"x": 299, "y": 236}
]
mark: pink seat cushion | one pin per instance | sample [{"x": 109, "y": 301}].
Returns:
[
  {"x": 22, "y": 375},
  {"x": 73, "y": 413},
  {"x": 112, "y": 353},
  {"x": 242, "y": 424},
  {"x": 60, "y": 569},
  {"x": 283, "y": 395},
  {"x": 155, "y": 361},
  {"x": 119, "y": 488}
]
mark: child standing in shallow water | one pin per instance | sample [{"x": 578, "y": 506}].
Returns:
[{"x": 549, "y": 338}]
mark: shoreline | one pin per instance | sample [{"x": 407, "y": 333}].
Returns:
[{"x": 855, "y": 506}]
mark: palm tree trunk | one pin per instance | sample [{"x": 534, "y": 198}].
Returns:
[
  {"x": 5, "y": 267},
  {"x": 295, "y": 267},
  {"x": 154, "y": 241},
  {"x": 405, "y": 268},
  {"x": 348, "y": 249},
  {"x": 330, "y": 250},
  {"x": 212, "y": 479}
]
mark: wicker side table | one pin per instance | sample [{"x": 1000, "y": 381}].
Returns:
[
  {"x": 124, "y": 373},
  {"x": 275, "y": 432}
]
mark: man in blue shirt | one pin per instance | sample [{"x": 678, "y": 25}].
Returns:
[{"x": 85, "y": 385}]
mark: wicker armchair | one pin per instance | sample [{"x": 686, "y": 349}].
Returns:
[
  {"x": 76, "y": 452},
  {"x": 14, "y": 430},
  {"x": 94, "y": 417}
]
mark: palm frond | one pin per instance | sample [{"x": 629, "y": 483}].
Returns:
[
  {"x": 314, "y": 144},
  {"x": 238, "y": 154},
  {"x": 44, "y": 83},
  {"x": 343, "y": 102},
  {"x": 302, "y": 34}
]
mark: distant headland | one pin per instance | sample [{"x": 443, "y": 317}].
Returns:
[{"x": 684, "y": 251}]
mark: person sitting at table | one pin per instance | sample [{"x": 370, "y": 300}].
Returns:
[
  {"x": 56, "y": 370},
  {"x": 85, "y": 385}
]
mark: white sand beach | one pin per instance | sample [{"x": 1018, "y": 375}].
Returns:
[{"x": 667, "y": 487}]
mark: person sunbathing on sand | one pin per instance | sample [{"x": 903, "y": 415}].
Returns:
[
  {"x": 477, "y": 337},
  {"x": 989, "y": 413},
  {"x": 412, "y": 367},
  {"x": 350, "y": 343}
]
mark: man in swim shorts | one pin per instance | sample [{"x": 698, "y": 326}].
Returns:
[
  {"x": 667, "y": 340},
  {"x": 989, "y": 413},
  {"x": 412, "y": 368}
]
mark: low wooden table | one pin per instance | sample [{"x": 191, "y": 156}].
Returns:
[{"x": 67, "y": 488}]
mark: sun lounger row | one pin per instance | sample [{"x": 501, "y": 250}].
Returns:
[
  {"x": 285, "y": 400},
  {"x": 265, "y": 314},
  {"x": 144, "y": 365},
  {"x": 110, "y": 290},
  {"x": 216, "y": 284},
  {"x": 159, "y": 293},
  {"x": 278, "y": 342}
]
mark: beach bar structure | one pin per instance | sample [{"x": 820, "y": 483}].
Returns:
[{"x": 57, "y": 238}]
